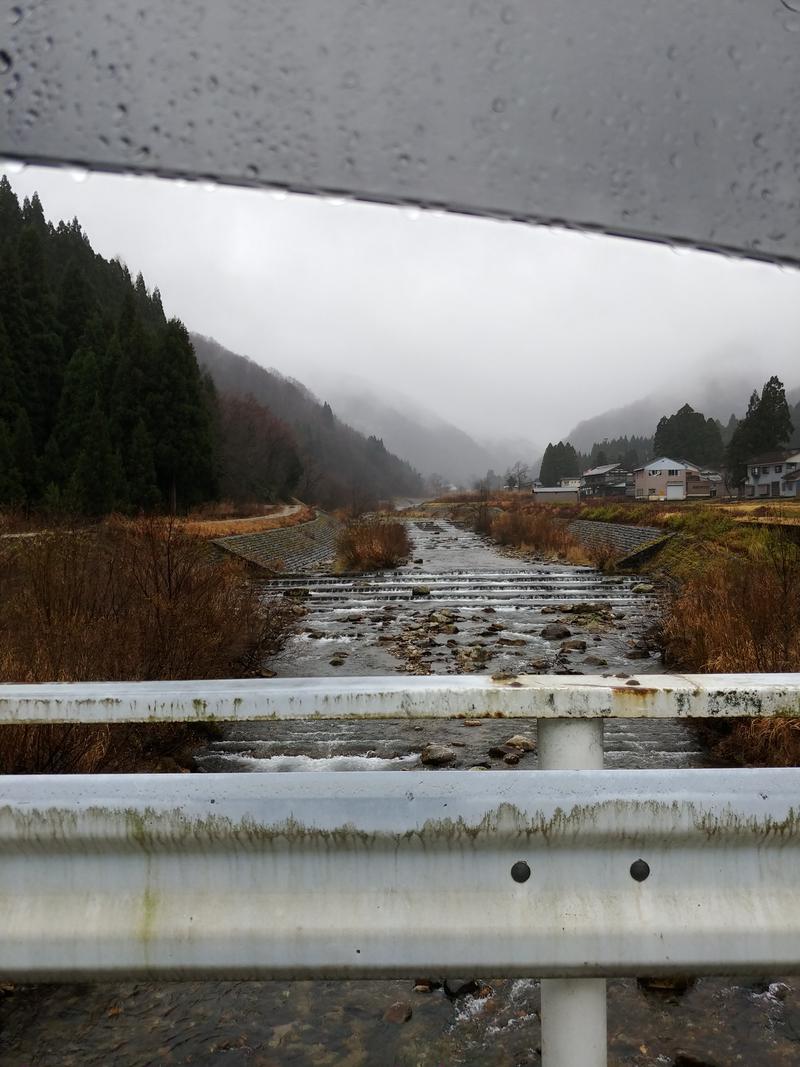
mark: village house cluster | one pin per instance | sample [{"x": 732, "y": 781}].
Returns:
[{"x": 774, "y": 475}]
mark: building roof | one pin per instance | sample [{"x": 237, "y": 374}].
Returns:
[
  {"x": 556, "y": 488},
  {"x": 596, "y": 471},
  {"x": 773, "y": 457},
  {"x": 664, "y": 463}
]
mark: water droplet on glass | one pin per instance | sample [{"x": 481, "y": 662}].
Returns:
[
  {"x": 122, "y": 111},
  {"x": 279, "y": 194},
  {"x": 251, "y": 170},
  {"x": 212, "y": 81},
  {"x": 15, "y": 15},
  {"x": 758, "y": 140},
  {"x": 13, "y": 167},
  {"x": 791, "y": 23},
  {"x": 792, "y": 5},
  {"x": 498, "y": 105},
  {"x": 350, "y": 80},
  {"x": 508, "y": 15},
  {"x": 78, "y": 174},
  {"x": 413, "y": 214},
  {"x": 6, "y": 62}
]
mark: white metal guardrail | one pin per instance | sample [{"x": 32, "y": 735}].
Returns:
[
  {"x": 475, "y": 696},
  {"x": 571, "y": 874}
]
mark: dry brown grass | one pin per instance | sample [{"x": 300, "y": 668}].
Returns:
[
  {"x": 210, "y": 529},
  {"x": 538, "y": 529},
  {"x": 372, "y": 544},
  {"x": 125, "y": 601},
  {"x": 743, "y": 615}
]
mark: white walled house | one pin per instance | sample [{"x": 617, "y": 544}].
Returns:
[{"x": 774, "y": 474}]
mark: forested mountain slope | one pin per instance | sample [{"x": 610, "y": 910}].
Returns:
[
  {"x": 340, "y": 465},
  {"x": 102, "y": 403}
]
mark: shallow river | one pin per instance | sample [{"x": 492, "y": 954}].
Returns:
[{"x": 462, "y": 606}]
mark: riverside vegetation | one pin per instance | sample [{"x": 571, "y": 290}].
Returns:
[
  {"x": 731, "y": 590},
  {"x": 372, "y": 543},
  {"x": 123, "y": 601}
]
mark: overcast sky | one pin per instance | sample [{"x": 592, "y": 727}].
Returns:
[{"x": 503, "y": 328}]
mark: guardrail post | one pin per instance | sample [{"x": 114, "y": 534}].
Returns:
[{"x": 573, "y": 1010}]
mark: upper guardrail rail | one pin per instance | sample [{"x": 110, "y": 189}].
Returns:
[{"x": 398, "y": 696}]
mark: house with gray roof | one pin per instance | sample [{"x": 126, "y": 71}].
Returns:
[
  {"x": 672, "y": 479},
  {"x": 774, "y": 474},
  {"x": 609, "y": 479}
]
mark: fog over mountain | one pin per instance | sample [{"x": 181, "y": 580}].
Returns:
[
  {"x": 500, "y": 328},
  {"x": 429, "y": 442}
]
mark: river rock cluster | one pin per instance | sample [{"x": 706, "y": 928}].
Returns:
[{"x": 444, "y": 641}]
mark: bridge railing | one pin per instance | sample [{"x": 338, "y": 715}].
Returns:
[{"x": 570, "y": 873}]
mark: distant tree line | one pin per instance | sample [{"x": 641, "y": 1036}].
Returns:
[
  {"x": 103, "y": 405},
  {"x": 769, "y": 424},
  {"x": 559, "y": 461},
  {"x": 689, "y": 435},
  {"x": 629, "y": 451}
]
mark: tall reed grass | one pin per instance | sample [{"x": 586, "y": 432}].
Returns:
[
  {"x": 742, "y": 614},
  {"x": 539, "y": 529},
  {"x": 372, "y": 544}
]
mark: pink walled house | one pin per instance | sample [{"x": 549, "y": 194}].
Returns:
[{"x": 671, "y": 479}]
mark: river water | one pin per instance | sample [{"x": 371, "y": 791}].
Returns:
[{"x": 460, "y": 606}]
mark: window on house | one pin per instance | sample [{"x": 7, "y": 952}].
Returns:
[
  {"x": 651, "y": 491},
  {"x": 778, "y": 468},
  {"x": 673, "y": 473}
]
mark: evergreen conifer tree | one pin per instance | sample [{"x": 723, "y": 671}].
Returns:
[
  {"x": 12, "y": 490},
  {"x": 143, "y": 493},
  {"x": 96, "y": 487},
  {"x": 766, "y": 427},
  {"x": 25, "y": 461}
]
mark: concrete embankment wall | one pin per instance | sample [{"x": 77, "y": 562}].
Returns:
[
  {"x": 631, "y": 542},
  {"x": 308, "y": 546}
]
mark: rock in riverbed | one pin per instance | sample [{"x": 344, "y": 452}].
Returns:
[
  {"x": 574, "y": 644},
  {"x": 554, "y": 631},
  {"x": 398, "y": 1013},
  {"x": 523, "y": 743},
  {"x": 434, "y": 755}
]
